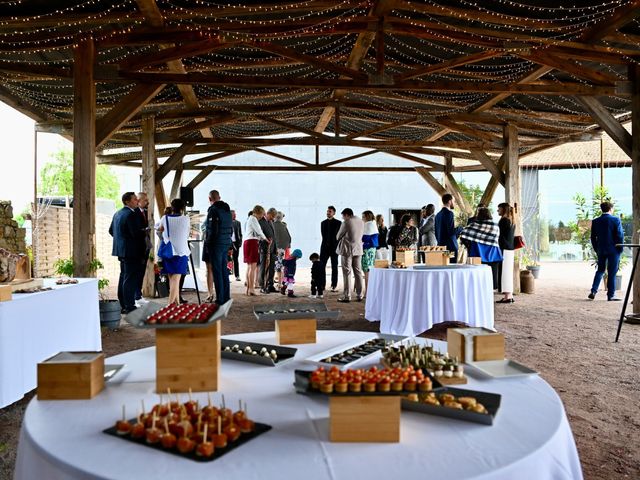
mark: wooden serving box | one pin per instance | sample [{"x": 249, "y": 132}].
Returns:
[
  {"x": 188, "y": 358},
  {"x": 364, "y": 419},
  {"x": 71, "y": 376},
  {"x": 6, "y": 293},
  {"x": 381, "y": 264},
  {"x": 437, "y": 257},
  {"x": 474, "y": 261},
  {"x": 295, "y": 331},
  {"x": 407, "y": 257},
  {"x": 475, "y": 344}
]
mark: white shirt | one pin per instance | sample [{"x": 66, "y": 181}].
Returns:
[
  {"x": 179, "y": 230},
  {"x": 252, "y": 229}
]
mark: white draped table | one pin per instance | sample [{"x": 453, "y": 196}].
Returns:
[
  {"x": 530, "y": 438},
  {"x": 35, "y": 326},
  {"x": 410, "y": 301}
]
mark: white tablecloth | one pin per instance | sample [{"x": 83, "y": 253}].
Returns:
[
  {"x": 35, "y": 326},
  {"x": 530, "y": 438},
  {"x": 409, "y": 302}
]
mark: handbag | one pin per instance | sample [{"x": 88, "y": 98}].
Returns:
[
  {"x": 518, "y": 242},
  {"x": 166, "y": 249}
]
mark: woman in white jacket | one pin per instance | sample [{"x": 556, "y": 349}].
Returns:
[
  {"x": 252, "y": 236},
  {"x": 175, "y": 228}
]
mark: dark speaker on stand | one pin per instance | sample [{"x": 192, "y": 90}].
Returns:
[{"x": 186, "y": 194}]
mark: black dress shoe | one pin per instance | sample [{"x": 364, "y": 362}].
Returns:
[
  {"x": 591, "y": 296},
  {"x": 263, "y": 291},
  {"x": 272, "y": 289},
  {"x": 344, "y": 300}
]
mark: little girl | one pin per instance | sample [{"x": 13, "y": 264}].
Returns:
[{"x": 289, "y": 272}]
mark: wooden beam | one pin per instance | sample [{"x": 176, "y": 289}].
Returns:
[
  {"x": 493, "y": 183},
  {"x": 422, "y": 161},
  {"x": 200, "y": 124},
  {"x": 608, "y": 123},
  {"x": 169, "y": 54},
  {"x": 161, "y": 196},
  {"x": 619, "y": 18},
  {"x": 149, "y": 162},
  {"x": 489, "y": 164},
  {"x": 448, "y": 64},
  {"x": 201, "y": 176},
  {"x": 209, "y": 158},
  {"x": 570, "y": 66},
  {"x": 131, "y": 104},
  {"x": 84, "y": 158},
  {"x": 174, "y": 160},
  {"x": 176, "y": 184},
  {"x": 281, "y": 157},
  {"x": 342, "y": 160},
  {"x": 309, "y": 169},
  {"x": 290, "y": 126},
  {"x": 383, "y": 128},
  {"x": 634, "y": 71},
  {"x": 512, "y": 189},
  {"x": 456, "y": 191},
  {"x": 430, "y": 179}
]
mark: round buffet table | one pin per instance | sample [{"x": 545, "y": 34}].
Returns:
[
  {"x": 530, "y": 438},
  {"x": 410, "y": 301}
]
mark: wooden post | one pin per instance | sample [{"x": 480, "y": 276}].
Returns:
[
  {"x": 175, "y": 186},
  {"x": 635, "y": 175},
  {"x": 84, "y": 157},
  {"x": 512, "y": 189},
  {"x": 448, "y": 168},
  {"x": 149, "y": 164}
]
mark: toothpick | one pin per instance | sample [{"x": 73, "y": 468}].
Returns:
[
  {"x": 166, "y": 425},
  {"x": 190, "y": 399},
  {"x": 239, "y": 404},
  {"x": 209, "y": 398},
  {"x": 223, "y": 405},
  {"x": 245, "y": 409},
  {"x": 153, "y": 423},
  {"x": 143, "y": 409},
  {"x": 205, "y": 432},
  {"x": 124, "y": 417},
  {"x": 219, "y": 425}
]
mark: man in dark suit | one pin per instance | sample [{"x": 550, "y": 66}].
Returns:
[
  {"x": 267, "y": 252},
  {"x": 143, "y": 212},
  {"x": 606, "y": 232},
  {"x": 446, "y": 231},
  {"x": 236, "y": 242},
  {"x": 219, "y": 231},
  {"x": 128, "y": 232},
  {"x": 329, "y": 229}
]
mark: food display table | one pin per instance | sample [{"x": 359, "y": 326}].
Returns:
[
  {"x": 35, "y": 326},
  {"x": 530, "y": 438},
  {"x": 410, "y": 301}
]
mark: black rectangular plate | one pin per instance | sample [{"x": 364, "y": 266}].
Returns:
[
  {"x": 491, "y": 401},
  {"x": 138, "y": 317},
  {"x": 321, "y": 312},
  {"x": 303, "y": 386},
  {"x": 284, "y": 353},
  {"x": 244, "y": 438}
]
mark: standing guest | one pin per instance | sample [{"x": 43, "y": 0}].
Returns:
[
  {"x": 129, "y": 246},
  {"x": 329, "y": 229},
  {"x": 251, "y": 248},
  {"x": 606, "y": 233},
  {"x": 219, "y": 232},
  {"x": 206, "y": 258},
  {"x": 408, "y": 235},
  {"x": 505, "y": 273},
  {"x": 268, "y": 253},
  {"x": 392, "y": 238},
  {"x": 445, "y": 229},
  {"x": 143, "y": 212},
  {"x": 175, "y": 228},
  {"x": 289, "y": 272},
  {"x": 475, "y": 215},
  {"x": 350, "y": 250},
  {"x": 382, "y": 252},
  {"x": 427, "y": 230},
  {"x": 282, "y": 237},
  {"x": 369, "y": 244},
  {"x": 482, "y": 237},
  {"x": 318, "y": 277},
  {"x": 236, "y": 243}
]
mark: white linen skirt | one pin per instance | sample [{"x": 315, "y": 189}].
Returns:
[{"x": 506, "y": 281}]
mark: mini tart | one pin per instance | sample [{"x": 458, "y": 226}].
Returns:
[
  {"x": 410, "y": 385},
  {"x": 370, "y": 386},
  {"x": 341, "y": 387},
  {"x": 355, "y": 387},
  {"x": 384, "y": 385},
  {"x": 326, "y": 387},
  {"x": 425, "y": 385},
  {"x": 397, "y": 385}
]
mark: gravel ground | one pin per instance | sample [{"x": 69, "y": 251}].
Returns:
[{"x": 567, "y": 338}]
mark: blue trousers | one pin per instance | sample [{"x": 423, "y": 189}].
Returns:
[
  {"x": 130, "y": 273},
  {"x": 608, "y": 263},
  {"x": 218, "y": 258}
]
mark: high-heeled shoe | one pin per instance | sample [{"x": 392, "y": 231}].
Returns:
[{"x": 506, "y": 300}]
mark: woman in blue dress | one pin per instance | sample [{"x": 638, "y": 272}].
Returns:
[{"x": 482, "y": 237}]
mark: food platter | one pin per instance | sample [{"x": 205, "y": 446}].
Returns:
[
  {"x": 282, "y": 354},
  {"x": 443, "y": 267},
  {"x": 294, "y": 311},
  {"x": 138, "y": 317},
  {"x": 354, "y": 352},
  {"x": 491, "y": 402},
  {"x": 502, "y": 368}
]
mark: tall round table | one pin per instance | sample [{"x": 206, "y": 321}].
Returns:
[
  {"x": 410, "y": 301},
  {"x": 530, "y": 438}
]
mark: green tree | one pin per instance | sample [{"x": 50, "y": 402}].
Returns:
[{"x": 56, "y": 178}]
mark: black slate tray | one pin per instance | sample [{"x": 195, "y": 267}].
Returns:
[
  {"x": 302, "y": 310},
  {"x": 303, "y": 386},
  {"x": 491, "y": 401},
  {"x": 137, "y": 317},
  {"x": 285, "y": 354},
  {"x": 260, "y": 428}
]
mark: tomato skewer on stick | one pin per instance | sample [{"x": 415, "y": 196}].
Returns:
[{"x": 123, "y": 427}]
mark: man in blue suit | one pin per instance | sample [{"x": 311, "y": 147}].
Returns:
[
  {"x": 128, "y": 232},
  {"x": 446, "y": 231},
  {"x": 606, "y": 232}
]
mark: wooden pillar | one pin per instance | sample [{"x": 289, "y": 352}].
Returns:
[
  {"x": 177, "y": 183},
  {"x": 512, "y": 189},
  {"x": 161, "y": 196},
  {"x": 149, "y": 165},
  {"x": 635, "y": 175},
  {"x": 84, "y": 158}
]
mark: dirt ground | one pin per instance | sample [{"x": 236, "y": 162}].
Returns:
[{"x": 556, "y": 331}]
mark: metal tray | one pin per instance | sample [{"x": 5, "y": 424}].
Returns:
[
  {"x": 502, "y": 368},
  {"x": 138, "y": 317},
  {"x": 111, "y": 371},
  {"x": 303, "y": 386},
  {"x": 491, "y": 401},
  {"x": 285, "y": 354},
  {"x": 282, "y": 311},
  {"x": 319, "y": 357},
  {"x": 260, "y": 428}
]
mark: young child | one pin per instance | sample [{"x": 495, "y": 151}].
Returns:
[
  {"x": 318, "y": 277},
  {"x": 289, "y": 272}
]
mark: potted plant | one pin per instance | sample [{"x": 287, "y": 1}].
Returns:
[{"x": 109, "y": 309}]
